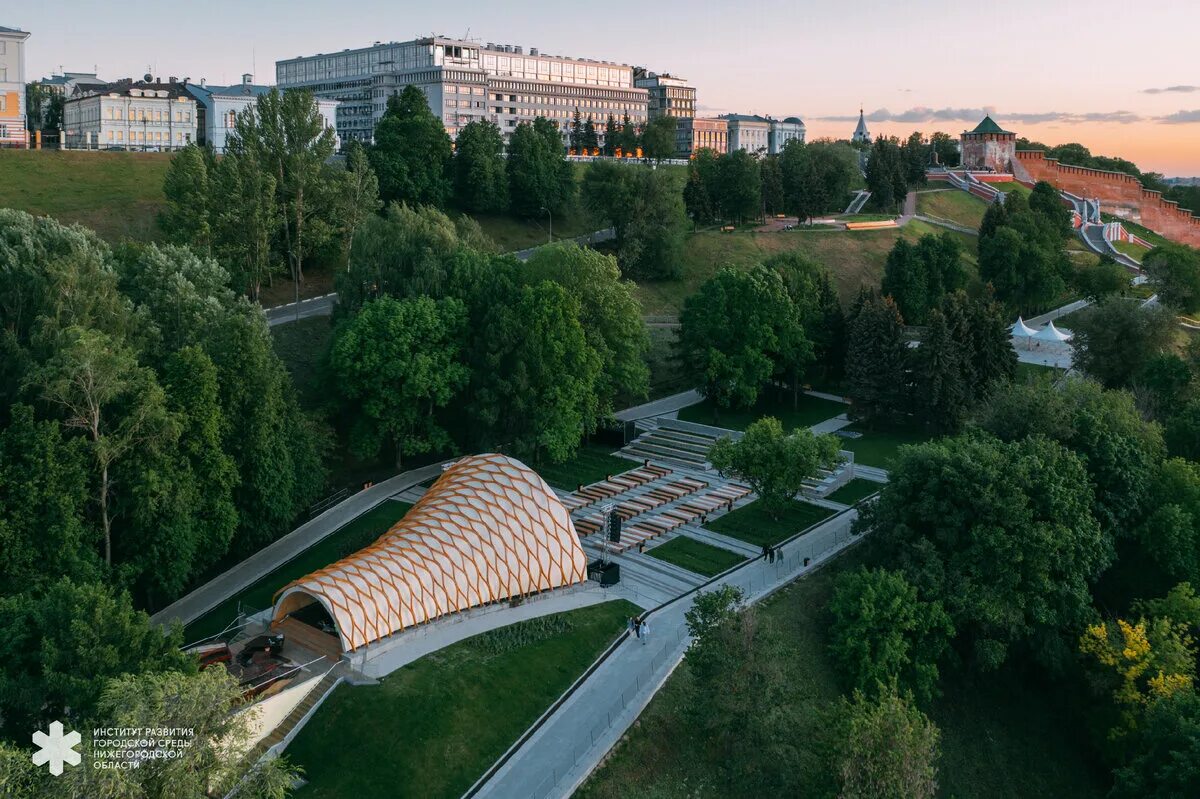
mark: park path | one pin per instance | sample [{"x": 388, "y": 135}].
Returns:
[
  {"x": 661, "y": 406},
  {"x": 203, "y": 599},
  {"x": 577, "y": 733},
  {"x": 323, "y": 305}
]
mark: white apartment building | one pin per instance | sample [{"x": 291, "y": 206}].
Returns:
[
  {"x": 784, "y": 131},
  {"x": 465, "y": 81},
  {"x": 218, "y": 108},
  {"x": 12, "y": 88},
  {"x": 128, "y": 115}
]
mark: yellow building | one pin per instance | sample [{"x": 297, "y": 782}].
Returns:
[{"x": 12, "y": 87}]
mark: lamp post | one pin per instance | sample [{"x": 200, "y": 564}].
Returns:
[{"x": 547, "y": 210}]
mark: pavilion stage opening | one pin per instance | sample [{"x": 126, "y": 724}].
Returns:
[{"x": 490, "y": 530}]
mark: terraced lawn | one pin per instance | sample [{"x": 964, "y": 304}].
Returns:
[
  {"x": 754, "y": 525},
  {"x": 855, "y": 490},
  {"x": 345, "y": 541},
  {"x": 878, "y": 447},
  {"x": 591, "y": 463},
  {"x": 431, "y": 728},
  {"x": 696, "y": 556},
  {"x": 808, "y": 411}
]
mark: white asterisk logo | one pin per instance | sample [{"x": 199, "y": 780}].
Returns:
[{"x": 56, "y": 748}]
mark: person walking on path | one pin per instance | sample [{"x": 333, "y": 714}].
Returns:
[{"x": 644, "y": 631}]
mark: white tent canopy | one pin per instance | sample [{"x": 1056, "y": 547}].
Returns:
[
  {"x": 1051, "y": 333},
  {"x": 1022, "y": 330}
]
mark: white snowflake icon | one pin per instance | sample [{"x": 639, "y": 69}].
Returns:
[{"x": 56, "y": 748}]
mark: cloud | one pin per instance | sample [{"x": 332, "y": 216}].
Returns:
[
  {"x": 1179, "y": 89},
  {"x": 922, "y": 114},
  {"x": 1180, "y": 117}
]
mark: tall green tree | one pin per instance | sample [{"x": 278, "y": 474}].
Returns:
[
  {"x": 772, "y": 184},
  {"x": 480, "y": 182},
  {"x": 534, "y": 376},
  {"x": 943, "y": 394},
  {"x": 1174, "y": 270},
  {"x": 876, "y": 361},
  {"x": 884, "y": 634},
  {"x": 245, "y": 221},
  {"x": 889, "y": 749},
  {"x": 356, "y": 197},
  {"x": 44, "y": 494},
  {"x": 738, "y": 330},
  {"x": 1115, "y": 339},
  {"x": 412, "y": 152},
  {"x": 1162, "y": 759},
  {"x": 658, "y": 139},
  {"x": 1002, "y": 534},
  {"x": 58, "y": 647},
  {"x": 887, "y": 174},
  {"x": 398, "y": 362},
  {"x": 609, "y": 312},
  {"x": 186, "y": 217},
  {"x": 647, "y": 213},
  {"x": 535, "y": 172},
  {"x": 740, "y": 186},
  {"x": 611, "y": 135},
  {"x": 775, "y": 465}
]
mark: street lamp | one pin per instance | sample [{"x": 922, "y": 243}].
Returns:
[{"x": 547, "y": 210}]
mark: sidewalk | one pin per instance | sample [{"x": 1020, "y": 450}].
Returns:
[
  {"x": 275, "y": 554},
  {"x": 658, "y": 407},
  {"x": 574, "y": 738}
]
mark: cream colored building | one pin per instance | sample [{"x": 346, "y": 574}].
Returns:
[
  {"x": 12, "y": 87},
  {"x": 128, "y": 115}
]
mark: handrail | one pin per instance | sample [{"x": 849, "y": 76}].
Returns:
[{"x": 570, "y": 691}]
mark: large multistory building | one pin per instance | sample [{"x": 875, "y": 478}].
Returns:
[
  {"x": 12, "y": 88},
  {"x": 465, "y": 81},
  {"x": 698, "y": 133},
  {"x": 759, "y": 134},
  {"x": 667, "y": 95},
  {"x": 218, "y": 107},
  {"x": 130, "y": 115}
]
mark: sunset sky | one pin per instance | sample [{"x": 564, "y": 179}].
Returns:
[{"x": 1122, "y": 78}]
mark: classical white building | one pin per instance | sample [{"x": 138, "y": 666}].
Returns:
[
  {"x": 12, "y": 87},
  {"x": 748, "y": 132},
  {"x": 130, "y": 115},
  {"x": 784, "y": 131},
  {"x": 218, "y": 108},
  {"x": 465, "y": 81}
]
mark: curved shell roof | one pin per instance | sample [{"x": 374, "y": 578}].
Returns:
[{"x": 488, "y": 529}]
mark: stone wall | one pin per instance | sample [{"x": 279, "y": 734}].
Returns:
[{"x": 1118, "y": 193}]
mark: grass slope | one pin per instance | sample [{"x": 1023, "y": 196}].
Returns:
[
  {"x": 116, "y": 194},
  {"x": 853, "y": 258},
  {"x": 752, "y": 524},
  {"x": 302, "y": 345},
  {"x": 696, "y": 556},
  {"x": 878, "y": 447},
  {"x": 853, "y": 491},
  {"x": 808, "y": 411},
  {"x": 345, "y": 541},
  {"x": 1003, "y": 739},
  {"x": 591, "y": 463},
  {"x": 955, "y": 206},
  {"x": 433, "y": 727}
]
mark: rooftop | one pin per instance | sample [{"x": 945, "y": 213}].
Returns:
[{"x": 988, "y": 125}]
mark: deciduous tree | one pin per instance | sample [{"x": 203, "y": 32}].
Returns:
[
  {"x": 480, "y": 180},
  {"x": 412, "y": 152}
]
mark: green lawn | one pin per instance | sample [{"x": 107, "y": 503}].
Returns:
[
  {"x": 302, "y": 345},
  {"x": 512, "y": 233},
  {"x": 853, "y": 258},
  {"x": 878, "y": 447},
  {"x": 1002, "y": 738},
  {"x": 1020, "y": 188},
  {"x": 666, "y": 375},
  {"x": 752, "y": 524},
  {"x": 855, "y": 490},
  {"x": 808, "y": 411},
  {"x": 591, "y": 463},
  {"x": 345, "y": 541},
  {"x": 116, "y": 194},
  {"x": 1031, "y": 372},
  {"x": 1133, "y": 227},
  {"x": 1135, "y": 251},
  {"x": 696, "y": 556},
  {"x": 431, "y": 728},
  {"x": 957, "y": 206}
]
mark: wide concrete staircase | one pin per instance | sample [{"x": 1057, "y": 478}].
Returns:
[{"x": 681, "y": 447}]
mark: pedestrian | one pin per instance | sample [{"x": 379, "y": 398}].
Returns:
[
  {"x": 766, "y": 552},
  {"x": 637, "y": 627},
  {"x": 631, "y": 626},
  {"x": 645, "y": 631}
]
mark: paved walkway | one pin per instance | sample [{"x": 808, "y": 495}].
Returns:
[
  {"x": 576, "y": 735},
  {"x": 660, "y": 407},
  {"x": 1038, "y": 321},
  {"x": 275, "y": 554},
  {"x": 831, "y": 425},
  {"x": 1060, "y": 356}
]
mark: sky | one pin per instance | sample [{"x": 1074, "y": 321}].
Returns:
[{"x": 1121, "y": 78}]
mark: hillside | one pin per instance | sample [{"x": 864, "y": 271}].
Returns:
[
  {"x": 853, "y": 258},
  {"x": 116, "y": 194}
]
